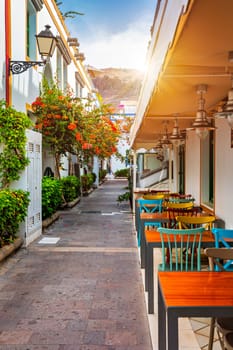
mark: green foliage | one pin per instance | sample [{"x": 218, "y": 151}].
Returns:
[
  {"x": 87, "y": 182},
  {"x": 51, "y": 196},
  {"x": 102, "y": 174},
  {"x": 93, "y": 177},
  {"x": 124, "y": 197},
  {"x": 70, "y": 188},
  {"x": 13, "y": 160},
  {"x": 122, "y": 173},
  {"x": 68, "y": 14},
  {"x": 13, "y": 210}
]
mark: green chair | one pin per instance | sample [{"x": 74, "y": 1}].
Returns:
[{"x": 184, "y": 247}]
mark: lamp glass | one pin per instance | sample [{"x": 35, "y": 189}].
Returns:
[
  {"x": 177, "y": 142},
  {"x": 202, "y": 132},
  {"x": 46, "y": 42}
]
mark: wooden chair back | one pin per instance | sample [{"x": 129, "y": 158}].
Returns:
[
  {"x": 153, "y": 196},
  {"x": 178, "y": 209},
  {"x": 195, "y": 221},
  {"x": 220, "y": 258},
  {"x": 184, "y": 248}
]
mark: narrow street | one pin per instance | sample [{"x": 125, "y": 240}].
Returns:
[{"x": 79, "y": 286}]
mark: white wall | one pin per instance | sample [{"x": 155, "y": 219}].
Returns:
[
  {"x": 224, "y": 173},
  {"x": 192, "y": 165},
  {"x": 25, "y": 86},
  {"x": 2, "y": 50}
]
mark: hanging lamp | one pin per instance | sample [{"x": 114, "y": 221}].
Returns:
[
  {"x": 201, "y": 124},
  {"x": 164, "y": 141},
  {"x": 176, "y": 137}
]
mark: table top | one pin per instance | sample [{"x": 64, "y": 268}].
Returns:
[
  {"x": 197, "y": 289},
  {"x": 153, "y": 236}
]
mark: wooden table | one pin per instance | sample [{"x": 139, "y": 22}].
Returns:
[
  {"x": 152, "y": 239},
  {"x": 191, "y": 294}
]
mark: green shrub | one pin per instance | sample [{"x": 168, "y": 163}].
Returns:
[
  {"x": 70, "y": 187},
  {"x": 51, "y": 196},
  {"x": 122, "y": 173},
  {"x": 102, "y": 174},
  {"x": 13, "y": 158},
  {"x": 13, "y": 210},
  {"x": 94, "y": 177},
  {"x": 87, "y": 182},
  {"x": 123, "y": 197}
]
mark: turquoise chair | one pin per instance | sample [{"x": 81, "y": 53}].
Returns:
[
  {"x": 222, "y": 239},
  {"x": 184, "y": 247},
  {"x": 149, "y": 206}
]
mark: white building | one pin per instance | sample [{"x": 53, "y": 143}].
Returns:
[
  {"x": 20, "y": 20},
  {"x": 127, "y": 109},
  {"x": 191, "y": 49}
]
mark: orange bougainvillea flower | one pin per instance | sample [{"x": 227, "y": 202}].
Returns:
[
  {"x": 38, "y": 126},
  {"x": 97, "y": 150},
  {"x": 71, "y": 126},
  {"x": 86, "y": 145},
  {"x": 57, "y": 116},
  {"x": 78, "y": 136},
  {"x": 114, "y": 149}
]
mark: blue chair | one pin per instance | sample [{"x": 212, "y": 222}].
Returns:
[
  {"x": 222, "y": 239},
  {"x": 149, "y": 206}
]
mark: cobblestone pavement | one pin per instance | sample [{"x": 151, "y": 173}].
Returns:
[{"x": 79, "y": 286}]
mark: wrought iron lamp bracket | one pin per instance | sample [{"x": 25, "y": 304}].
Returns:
[{"x": 17, "y": 67}]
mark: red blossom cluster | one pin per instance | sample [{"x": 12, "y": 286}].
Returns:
[{"x": 68, "y": 126}]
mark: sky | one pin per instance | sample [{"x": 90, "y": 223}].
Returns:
[{"x": 112, "y": 33}]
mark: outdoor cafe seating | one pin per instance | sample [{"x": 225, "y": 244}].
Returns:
[{"x": 182, "y": 231}]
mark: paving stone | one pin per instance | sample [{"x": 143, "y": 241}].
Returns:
[{"x": 84, "y": 292}]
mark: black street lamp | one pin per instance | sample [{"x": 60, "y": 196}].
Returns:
[{"x": 46, "y": 43}]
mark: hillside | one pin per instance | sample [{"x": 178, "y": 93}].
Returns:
[{"x": 115, "y": 84}]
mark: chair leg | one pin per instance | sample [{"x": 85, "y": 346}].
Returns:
[
  {"x": 221, "y": 339},
  {"x": 211, "y": 335}
]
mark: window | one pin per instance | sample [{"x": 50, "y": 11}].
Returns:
[
  {"x": 31, "y": 31},
  {"x": 63, "y": 60},
  {"x": 207, "y": 171},
  {"x": 61, "y": 71},
  {"x": 79, "y": 84}
]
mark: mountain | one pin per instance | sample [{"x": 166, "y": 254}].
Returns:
[{"x": 116, "y": 84}]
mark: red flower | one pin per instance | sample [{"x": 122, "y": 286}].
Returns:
[
  {"x": 71, "y": 126},
  {"x": 86, "y": 145},
  {"x": 78, "y": 136}
]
